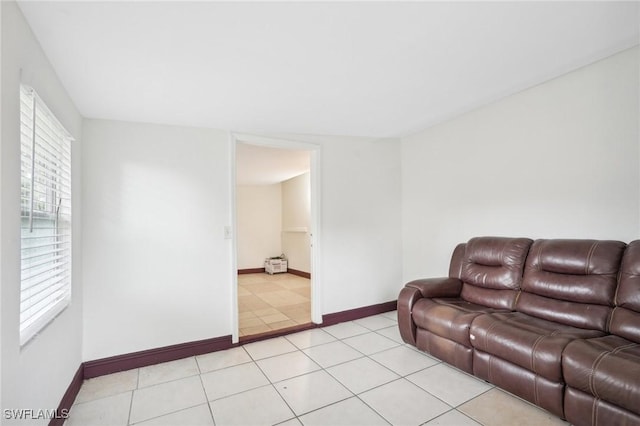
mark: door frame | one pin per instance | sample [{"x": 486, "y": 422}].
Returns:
[{"x": 315, "y": 228}]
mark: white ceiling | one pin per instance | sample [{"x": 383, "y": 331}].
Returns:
[
  {"x": 359, "y": 68},
  {"x": 258, "y": 165}
]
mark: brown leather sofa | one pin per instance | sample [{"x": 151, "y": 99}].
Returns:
[{"x": 556, "y": 322}]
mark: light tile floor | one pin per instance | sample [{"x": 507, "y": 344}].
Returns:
[
  {"x": 272, "y": 302},
  {"x": 354, "y": 373}
]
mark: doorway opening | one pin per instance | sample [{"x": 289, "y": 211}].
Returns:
[{"x": 276, "y": 205}]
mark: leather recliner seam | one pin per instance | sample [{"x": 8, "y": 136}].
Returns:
[
  {"x": 515, "y": 302},
  {"x": 594, "y": 366},
  {"x": 592, "y": 249},
  {"x": 490, "y": 370},
  {"x": 486, "y": 334},
  {"x": 533, "y": 352},
  {"x": 599, "y": 360}
]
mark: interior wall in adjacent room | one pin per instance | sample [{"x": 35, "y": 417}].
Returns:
[
  {"x": 259, "y": 224},
  {"x": 559, "y": 160},
  {"x": 360, "y": 241},
  {"x": 296, "y": 220}
]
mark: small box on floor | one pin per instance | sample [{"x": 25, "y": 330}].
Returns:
[{"x": 275, "y": 265}]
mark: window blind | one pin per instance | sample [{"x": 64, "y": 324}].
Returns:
[{"x": 45, "y": 169}]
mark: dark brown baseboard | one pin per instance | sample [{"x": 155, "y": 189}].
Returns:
[
  {"x": 114, "y": 364},
  {"x": 69, "y": 396},
  {"x": 327, "y": 320},
  {"x": 129, "y": 361},
  {"x": 277, "y": 333},
  {"x": 250, "y": 271},
  {"x": 262, "y": 270},
  {"x": 354, "y": 314},
  {"x": 299, "y": 273}
]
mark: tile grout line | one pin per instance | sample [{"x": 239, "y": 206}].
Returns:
[
  {"x": 400, "y": 377},
  {"x": 130, "y": 407},
  {"x": 344, "y": 386},
  {"x": 322, "y": 368},
  {"x": 277, "y": 281},
  {"x": 357, "y": 395},
  {"x": 277, "y": 392},
  {"x": 132, "y": 394},
  {"x": 326, "y": 369},
  {"x": 206, "y": 397},
  {"x": 200, "y": 372}
]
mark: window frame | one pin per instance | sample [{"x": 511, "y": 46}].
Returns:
[{"x": 45, "y": 215}]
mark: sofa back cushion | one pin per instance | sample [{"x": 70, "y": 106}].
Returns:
[
  {"x": 571, "y": 282},
  {"x": 625, "y": 321},
  {"x": 455, "y": 267},
  {"x": 491, "y": 270}
]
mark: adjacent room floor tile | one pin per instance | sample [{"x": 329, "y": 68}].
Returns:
[
  {"x": 195, "y": 416},
  {"x": 111, "y": 384},
  {"x": 311, "y": 391},
  {"x": 266, "y": 312},
  {"x": 165, "y": 398},
  {"x": 345, "y": 329},
  {"x": 350, "y": 412},
  {"x": 460, "y": 387},
  {"x": 250, "y": 331},
  {"x": 308, "y": 338},
  {"x": 332, "y": 353},
  {"x": 222, "y": 359},
  {"x": 167, "y": 371},
  {"x": 362, "y": 374},
  {"x": 243, "y": 291},
  {"x": 251, "y": 322},
  {"x": 280, "y": 325},
  {"x": 498, "y": 408},
  {"x": 261, "y": 406},
  {"x": 270, "y": 347},
  {"x": 403, "y": 360},
  {"x": 285, "y": 366},
  {"x": 110, "y": 411},
  {"x": 453, "y": 418},
  {"x": 370, "y": 343},
  {"x": 271, "y": 319},
  {"x": 228, "y": 381},
  {"x": 282, "y": 298},
  {"x": 403, "y": 403}
]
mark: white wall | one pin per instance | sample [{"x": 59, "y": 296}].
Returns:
[
  {"x": 157, "y": 266},
  {"x": 361, "y": 246},
  {"x": 36, "y": 375},
  {"x": 296, "y": 221},
  {"x": 259, "y": 224},
  {"x": 1, "y": 183},
  {"x": 558, "y": 160},
  {"x": 157, "y": 273}
]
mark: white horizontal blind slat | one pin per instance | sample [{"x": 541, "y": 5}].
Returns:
[
  {"x": 45, "y": 253},
  {"x": 46, "y": 215}
]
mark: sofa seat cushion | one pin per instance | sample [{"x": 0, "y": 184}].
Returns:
[
  {"x": 607, "y": 368},
  {"x": 448, "y": 317},
  {"x": 532, "y": 343}
]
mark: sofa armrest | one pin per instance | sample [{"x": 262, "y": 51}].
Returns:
[
  {"x": 415, "y": 290},
  {"x": 407, "y": 298},
  {"x": 437, "y": 287}
]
